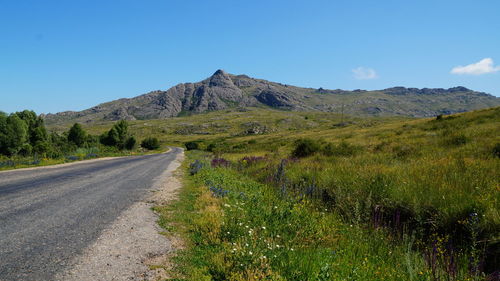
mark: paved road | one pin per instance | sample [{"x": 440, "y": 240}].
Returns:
[{"x": 48, "y": 216}]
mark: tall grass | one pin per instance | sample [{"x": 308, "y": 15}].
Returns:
[{"x": 252, "y": 232}]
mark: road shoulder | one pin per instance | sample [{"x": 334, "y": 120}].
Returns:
[{"x": 126, "y": 249}]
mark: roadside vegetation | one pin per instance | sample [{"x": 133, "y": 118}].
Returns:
[
  {"x": 25, "y": 141},
  {"x": 371, "y": 199}
]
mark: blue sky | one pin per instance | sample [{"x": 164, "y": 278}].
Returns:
[{"x": 71, "y": 55}]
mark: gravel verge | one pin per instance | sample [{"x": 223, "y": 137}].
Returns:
[{"x": 126, "y": 249}]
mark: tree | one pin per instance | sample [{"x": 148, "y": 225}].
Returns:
[
  {"x": 117, "y": 136},
  {"x": 150, "y": 143},
  {"x": 77, "y": 135},
  {"x": 13, "y": 134},
  {"x": 36, "y": 127}
]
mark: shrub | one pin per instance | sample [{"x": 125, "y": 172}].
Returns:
[
  {"x": 130, "y": 143},
  {"x": 342, "y": 149},
  {"x": 496, "y": 150},
  {"x": 195, "y": 167},
  {"x": 150, "y": 143},
  {"x": 403, "y": 151},
  {"x": 249, "y": 160},
  {"x": 219, "y": 147},
  {"x": 220, "y": 162},
  {"x": 455, "y": 140},
  {"x": 211, "y": 147},
  {"x": 191, "y": 145},
  {"x": 305, "y": 147}
]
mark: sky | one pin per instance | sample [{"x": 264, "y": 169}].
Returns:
[{"x": 72, "y": 55}]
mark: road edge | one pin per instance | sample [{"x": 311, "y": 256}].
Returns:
[{"x": 126, "y": 249}]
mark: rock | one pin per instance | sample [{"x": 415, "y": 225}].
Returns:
[{"x": 223, "y": 91}]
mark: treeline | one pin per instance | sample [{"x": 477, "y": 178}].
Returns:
[{"x": 24, "y": 134}]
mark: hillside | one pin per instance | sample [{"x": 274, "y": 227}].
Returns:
[
  {"x": 223, "y": 91},
  {"x": 395, "y": 198}
]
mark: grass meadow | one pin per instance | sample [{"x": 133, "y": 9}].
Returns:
[{"x": 325, "y": 198}]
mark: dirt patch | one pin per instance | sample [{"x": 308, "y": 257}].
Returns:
[{"x": 132, "y": 246}]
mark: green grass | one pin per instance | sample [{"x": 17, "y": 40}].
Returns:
[
  {"x": 433, "y": 180},
  {"x": 254, "y": 232},
  {"x": 391, "y": 178}
]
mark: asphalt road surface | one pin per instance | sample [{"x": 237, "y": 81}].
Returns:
[{"x": 49, "y": 215}]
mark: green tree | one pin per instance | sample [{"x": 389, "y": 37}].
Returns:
[
  {"x": 36, "y": 126},
  {"x": 110, "y": 138},
  {"x": 117, "y": 136},
  {"x": 77, "y": 135},
  {"x": 13, "y": 134}
]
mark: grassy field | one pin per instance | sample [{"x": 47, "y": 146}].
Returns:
[{"x": 424, "y": 191}]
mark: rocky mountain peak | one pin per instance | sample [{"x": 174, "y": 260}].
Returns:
[
  {"x": 223, "y": 90},
  {"x": 221, "y": 79}
]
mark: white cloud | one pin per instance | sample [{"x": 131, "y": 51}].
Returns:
[
  {"x": 481, "y": 67},
  {"x": 364, "y": 73}
]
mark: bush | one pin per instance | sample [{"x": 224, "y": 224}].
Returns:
[
  {"x": 496, "y": 150},
  {"x": 455, "y": 140},
  {"x": 195, "y": 167},
  {"x": 305, "y": 147},
  {"x": 220, "y": 162},
  {"x": 342, "y": 149},
  {"x": 219, "y": 147},
  {"x": 191, "y": 145},
  {"x": 403, "y": 151},
  {"x": 150, "y": 143},
  {"x": 130, "y": 143}
]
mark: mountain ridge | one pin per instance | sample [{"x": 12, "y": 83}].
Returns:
[{"x": 223, "y": 91}]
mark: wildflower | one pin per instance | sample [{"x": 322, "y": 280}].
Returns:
[
  {"x": 250, "y": 253},
  {"x": 263, "y": 227},
  {"x": 278, "y": 236},
  {"x": 276, "y": 207},
  {"x": 291, "y": 249},
  {"x": 234, "y": 249},
  {"x": 246, "y": 244},
  {"x": 228, "y": 232}
]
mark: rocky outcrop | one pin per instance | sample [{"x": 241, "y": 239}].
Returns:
[{"x": 223, "y": 91}]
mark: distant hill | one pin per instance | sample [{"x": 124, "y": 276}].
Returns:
[{"x": 223, "y": 91}]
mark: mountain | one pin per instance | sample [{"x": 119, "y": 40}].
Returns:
[{"x": 223, "y": 91}]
